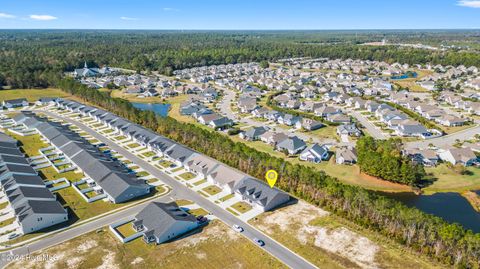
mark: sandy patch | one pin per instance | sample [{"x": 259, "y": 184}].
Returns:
[
  {"x": 108, "y": 261},
  {"x": 86, "y": 246},
  {"x": 74, "y": 262},
  {"x": 343, "y": 242},
  {"x": 300, "y": 212},
  {"x": 340, "y": 241},
  {"x": 210, "y": 232},
  {"x": 201, "y": 255},
  {"x": 137, "y": 261}
]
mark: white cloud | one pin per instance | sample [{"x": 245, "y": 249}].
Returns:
[
  {"x": 170, "y": 9},
  {"x": 469, "y": 3},
  {"x": 43, "y": 17},
  {"x": 6, "y": 16},
  {"x": 129, "y": 19}
]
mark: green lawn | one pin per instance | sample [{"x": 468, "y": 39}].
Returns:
[
  {"x": 32, "y": 95},
  {"x": 226, "y": 197},
  {"x": 233, "y": 212},
  {"x": 133, "y": 145},
  {"x": 177, "y": 169},
  {"x": 165, "y": 164},
  {"x": 448, "y": 180},
  {"x": 212, "y": 190},
  {"x": 6, "y": 222},
  {"x": 242, "y": 207},
  {"x": 148, "y": 154},
  {"x": 126, "y": 230},
  {"x": 187, "y": 176},
  {"x": 199, "y": 182},
  {"x": 183, "y": 202},
  {"x": 121, "y": 137},
  {"x": 198, "y": 212},
  {"x": 142, "y": 174},
  {"x": 3, "y": 205}
]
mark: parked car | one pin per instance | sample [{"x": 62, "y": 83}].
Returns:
[
  {"x": 259, "y": 242},
  {"x": 237, "y": 228},
  {"x": 12, "y": 236}
]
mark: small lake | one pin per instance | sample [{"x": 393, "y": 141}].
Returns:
[
  {"x": 160, "y": 109},
  {"x": 452, "y": 207},
  {"x": 405, "y": 76}
]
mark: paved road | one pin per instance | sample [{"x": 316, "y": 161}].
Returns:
[
  {"x": 371, "y": 128},
  {"x": 447, "y": 140},
  {"x": 180, "y": 191}
]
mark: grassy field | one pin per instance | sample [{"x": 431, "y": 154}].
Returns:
[
  {"x": 32, "y": 94},
  {"x": 447, "y": 180},
  {"x": 198, "y": 250}
]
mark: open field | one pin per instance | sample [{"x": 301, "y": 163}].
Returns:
[
  {"x": 32, "y": 94},
  {"x": 449, "y": 180},
  {"x": 198, "y": 250},
  {"x": 330, "y": 242}
]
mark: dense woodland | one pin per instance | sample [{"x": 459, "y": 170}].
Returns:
[
  {"x": 384, "y": 159},
  {"x": 30, "y": 59},
  {"x": 426, "y": 234}
]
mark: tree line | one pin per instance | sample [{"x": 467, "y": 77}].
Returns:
[
  {"x": 426, "y": 234},
  {"x": 384, "y": 159},
  {"x": 32, "y": 59}
]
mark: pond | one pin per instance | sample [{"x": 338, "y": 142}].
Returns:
[
  {"x": 405, "y": 76},
  {"x": 452, "y": 207},
  {"x": 160, "y": 109}
]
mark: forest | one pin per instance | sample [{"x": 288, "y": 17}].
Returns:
[
  {"x": 384, "y": 159},
  {"x": 425, "y": 234},
  {"x": 36, "y": 59}
]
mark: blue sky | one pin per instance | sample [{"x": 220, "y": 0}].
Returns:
[{"x": 240, "y": 14}]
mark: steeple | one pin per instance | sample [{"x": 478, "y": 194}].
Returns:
[{"x": 85, "y": 65}]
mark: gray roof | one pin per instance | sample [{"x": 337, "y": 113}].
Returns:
[
  {"x": 260, "y": 193},
  {"x": 30, "y": 208},
  {"x": 316, "y": 150},
  {"x": 201, "y": 164},
  {"x": 22, "y": 180},
  {"x": 7, "y": 140},
  {"x": 255, "y": 131},
  {"x": 14, "y": 168},
  {"x": 179, "y": 153},
  {"x": 11, "y": 151},
  {"x": 159, "y": 218},
  {"x": 292, "y": 143},
  {"x": 30, "y": 193},
  {"x": 13, "y": 159}
]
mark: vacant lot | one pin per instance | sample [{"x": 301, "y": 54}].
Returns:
[
  {"x": 31, "y": 94},
  {"x": 216, "y": 246},
  {"x": 330, "y": 242}
]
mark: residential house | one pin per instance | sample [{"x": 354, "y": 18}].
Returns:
[
  {"x": 162, "y": 222},
  {"x": 259, "y": 195},
  {"x": 346, "y": 155},
  {"x": 314, "y": 153},
  {"x": 292, "y": 145}
]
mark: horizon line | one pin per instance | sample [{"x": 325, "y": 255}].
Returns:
[{"x": 312, "y": 29}]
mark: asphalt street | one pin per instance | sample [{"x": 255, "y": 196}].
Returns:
[{"x": 180, "y": 191}]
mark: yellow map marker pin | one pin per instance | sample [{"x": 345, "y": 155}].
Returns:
[{"x": 271, "y": 177}]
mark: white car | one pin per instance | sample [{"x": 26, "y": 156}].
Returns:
[{"x": 237, "y": 228}]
